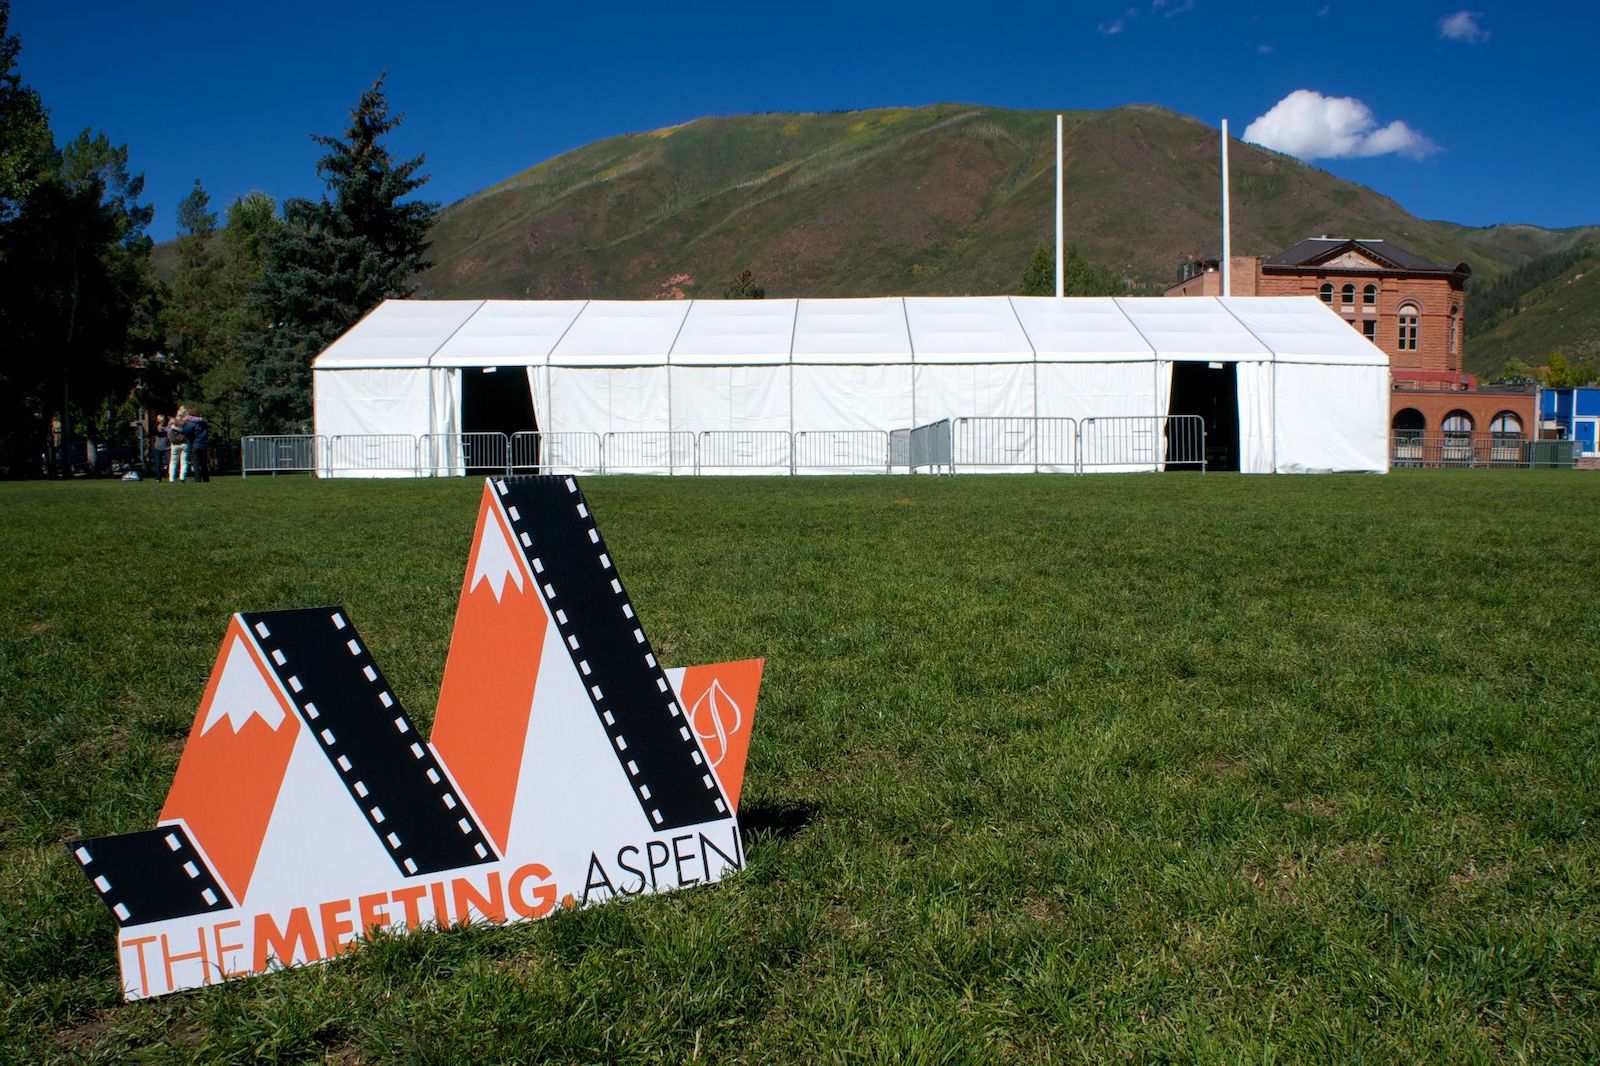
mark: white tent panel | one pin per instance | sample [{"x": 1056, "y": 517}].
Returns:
[
  {"x": 1083, "y": 328},
  {"x": 860, "y": 331},
  {"x": 1191, "y": 328},
  {"x": 1332, "y": 418},
  {"x": 1003, "y": 390},
  {"x": 621, "y": 333},
  {"x": 965, "y": 329},
  {"x": 607, "y": 399},
  {"x": 1254, "y": 383},
  {"x": 1099, "y": 390},
  {"x": 1303, "y": 329},
  {"x": 736, "y": 333},
  {"x": 730, "y": 398},
  {"x": 397, "y": 333},
  {"x": 368, "y": 416},
  {"x": 509, "y": 333},
  {"x": 852, "y": 397}
]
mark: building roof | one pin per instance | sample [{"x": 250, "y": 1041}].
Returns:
[{"x": 1315, "y": 251}]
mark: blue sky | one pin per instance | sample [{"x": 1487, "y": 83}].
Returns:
[{"x": 1477, "y": 114}]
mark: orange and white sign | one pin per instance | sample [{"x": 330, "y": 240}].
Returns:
[{"x": 566, "y": 767}]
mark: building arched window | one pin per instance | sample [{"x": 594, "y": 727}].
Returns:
[
  {"x": 1408, "y": 327},
  {"x": 1327, "y": 292},
  {"x": 1506, "y": 425},
  {"x": 1457, "y": 424},
  {"x": 1409, "y": 424},
  {"x": 1369, "y": 294},
  {"x": 1347, "y": 295}
]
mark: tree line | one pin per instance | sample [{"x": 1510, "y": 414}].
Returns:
[{"x": 91, "y": 340}]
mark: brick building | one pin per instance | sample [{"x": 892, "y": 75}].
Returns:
[{"x": 1412, "y": 309}]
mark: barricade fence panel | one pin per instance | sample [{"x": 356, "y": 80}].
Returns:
[
  {"x": 931, "y": 447},
  {"x": 899, "y": 448},
  {"x": 283, "y": 454},
  {"x": 842, "y": 449},
  {"x": 386, "y": 454},
  {"x": 1151, "y": 442},
  {"x": 455, "y": 454},
  {"x": 649, "y": 452},
  {"x": 741, "y": 449},
  {"x": 1016, "y": 443},
  {"x": 556, "y": 453}
]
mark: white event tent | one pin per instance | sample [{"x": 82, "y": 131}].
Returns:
[{"x": 1310, "y": 393}]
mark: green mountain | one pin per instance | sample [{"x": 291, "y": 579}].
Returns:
[
  {"x": 948, "y": 199},
  {"x": 1550, "y": 304}
]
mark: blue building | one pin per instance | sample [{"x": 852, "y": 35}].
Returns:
[{"x": 1573, "y": 414}]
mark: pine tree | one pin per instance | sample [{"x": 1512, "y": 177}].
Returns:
[
  {"x": 1078, "y": 277},
  {"x": 332, "y": 261}
]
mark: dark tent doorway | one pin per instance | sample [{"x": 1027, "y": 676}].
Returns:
[
  {"x": 494, "y": 399},
  {"x": 1210, "y": 390}
]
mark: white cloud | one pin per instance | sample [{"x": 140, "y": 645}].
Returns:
[
  {"x": 1463, "y": 26},
  {"x": 1308, "y": 125},
  {"x": 1112, "y": 28}
]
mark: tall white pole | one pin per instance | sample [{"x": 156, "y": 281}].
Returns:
[
  {"x": 1227, "y": 242},
  {"x": 1060, "y": 285}
]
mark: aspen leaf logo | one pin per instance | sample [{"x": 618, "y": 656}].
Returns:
[{"x": 715, "y": 716}]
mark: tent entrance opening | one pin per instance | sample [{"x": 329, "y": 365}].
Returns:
[
  {"x": 1210, "y": 390},
  {"x": 494, "y": 399}
]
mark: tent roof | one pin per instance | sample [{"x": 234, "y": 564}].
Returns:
[
  {"x": 880, "y": 330},
  {"x": 398, "y": 333},
  {"x": 1079, "y": 328},
  {"x": 509, "y": 333}
]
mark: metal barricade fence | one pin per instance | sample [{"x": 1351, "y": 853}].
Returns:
[
  {"x": 648, "y": 452},
  {"x": 534, "y": 452},
  {"x": 376, "y": 454},
  {"x": 1464, "y": 451},
  {"x": 931, "y": 447},
  {"x": 1153, "y": 442},
  {"x": 842, "y": 449},
  {"x": 899, "y": 448},
  {"x": 455, "y": 454},
  {"x": 1016, "y": 442},
  {"x": 283, "y": 454},
  {"x": 771, "y": 450}
]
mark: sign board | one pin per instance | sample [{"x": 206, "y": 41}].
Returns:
[{"x": 566, "y": 767}]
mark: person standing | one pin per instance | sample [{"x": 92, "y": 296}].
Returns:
[
  {"x": 198, "y": 436},
  {"x": 178, "y": 449},
  {"x": 160, "y": 447}
]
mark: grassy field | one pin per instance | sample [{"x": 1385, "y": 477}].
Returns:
[{"x": 1138, "y": 768}]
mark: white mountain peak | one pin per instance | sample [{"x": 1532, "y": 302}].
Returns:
[
  {"x": 497, "y": 560},
  {"x": 242, "y": 693}
]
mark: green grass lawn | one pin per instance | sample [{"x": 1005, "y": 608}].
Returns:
[{"x": 1169, "y": 768}]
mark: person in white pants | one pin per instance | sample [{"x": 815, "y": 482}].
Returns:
[{"x": 178, "y": 457}]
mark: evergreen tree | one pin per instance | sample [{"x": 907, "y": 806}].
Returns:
[
  {"x": 1078, "y": 277},
  {"x": 193, "y": 316},
  {"x": 78, "y": 300},
  {"x": 25, "y": 144},
  {"x": 744, "y": 287},
  {"x": 331, "y": 262}
]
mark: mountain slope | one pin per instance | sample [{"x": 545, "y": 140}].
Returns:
[
  {"x": 948, "y": 199},
  {"x": 1560, "y": 314}
]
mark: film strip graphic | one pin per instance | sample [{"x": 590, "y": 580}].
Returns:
[
  {"x": 649, "y": 733},
  {"x": 391, "y": 775},
  {"x": 150, "y": 876}
]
